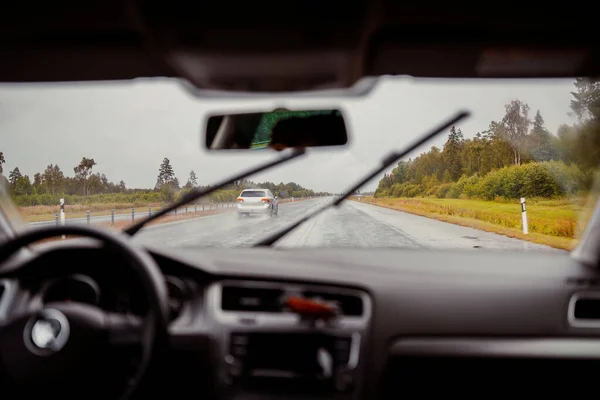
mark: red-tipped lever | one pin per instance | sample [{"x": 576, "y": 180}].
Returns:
[{"x": 310, "y": 308}]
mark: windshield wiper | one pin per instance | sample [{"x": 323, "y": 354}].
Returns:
[
  {"x": 386, "y": 162},
  {"x": 197, "y": 193}
]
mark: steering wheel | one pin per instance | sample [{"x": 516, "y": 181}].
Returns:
[{"x": 61, "y": 345}]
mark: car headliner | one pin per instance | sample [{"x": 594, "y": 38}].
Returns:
[{"x": 267, "y": 48}]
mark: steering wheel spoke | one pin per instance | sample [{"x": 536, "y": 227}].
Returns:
[{"x": 124, "y": 329}]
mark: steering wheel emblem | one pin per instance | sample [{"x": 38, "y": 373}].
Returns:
[{"x": 47, "y": 332}]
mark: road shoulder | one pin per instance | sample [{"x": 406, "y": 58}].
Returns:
[{"x": 437, "y": 233}]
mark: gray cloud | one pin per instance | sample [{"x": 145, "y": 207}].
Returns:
[{"x": 129, "y": 127}]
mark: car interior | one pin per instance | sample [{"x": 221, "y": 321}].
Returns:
[{"x": 211, "y": 323}]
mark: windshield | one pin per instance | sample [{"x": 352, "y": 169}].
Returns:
[
  {"x": 253, "y": 193},
  {"x": 519, "y": 174}
]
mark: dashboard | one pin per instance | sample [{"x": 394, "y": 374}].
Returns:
[
  {"x": 465, "y": 322},
  {"x": 270, "y": 351},
  {"x": 264, "y": 347}
]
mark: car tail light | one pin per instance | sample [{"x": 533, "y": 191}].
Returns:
[
  {"x": 240, "y": 200},
  {"x": 265, "y": 200}
]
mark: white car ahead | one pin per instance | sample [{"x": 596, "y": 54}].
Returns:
[{"x": 257, "y": 201}]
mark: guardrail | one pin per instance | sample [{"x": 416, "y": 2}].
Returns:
[
  {"x": 142, "y": 212},
  {"x": 136, "y": 213}
]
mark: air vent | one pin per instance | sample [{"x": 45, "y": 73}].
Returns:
[
  {"x": 269, "y": 298},
  {"x": 237, "y": 298},
  {"x": 587, "y": 309},
  {"x": 350, "y": 305},
  {"x": 584, "y": 310}
]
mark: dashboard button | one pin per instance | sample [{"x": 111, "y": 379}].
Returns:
[
  {"x": 237, "y": 339},
  {"x": 238, "y": 350},
  {"x": 234, "y": 366},
  {"x": 344, "y": 381},
  {"x": 342, "y": 356}
]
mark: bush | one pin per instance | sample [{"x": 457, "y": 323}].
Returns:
[
  {"x": 546, "y": 179},
  {"x": 443, "y": 190},
  {"x": 550, "y": 179}
]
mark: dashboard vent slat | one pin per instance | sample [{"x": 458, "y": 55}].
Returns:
[{"x": 237, "y": 298}]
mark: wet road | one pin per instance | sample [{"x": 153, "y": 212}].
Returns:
[{"x": 353, "y": 224}]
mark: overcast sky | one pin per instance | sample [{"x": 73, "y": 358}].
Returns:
[{"x": 128, "y": 128}]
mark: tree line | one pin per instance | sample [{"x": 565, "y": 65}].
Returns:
[
  {"x": 87, "y": 186},
  {"x": 514, "y": 157}
]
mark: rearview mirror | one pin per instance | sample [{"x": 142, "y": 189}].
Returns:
[{"x": 279, "y": 129}]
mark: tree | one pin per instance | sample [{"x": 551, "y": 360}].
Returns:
[
  {"x": 95, "y": 184},
  {"x": 22, "y": 186},
  {"x": 585, "y": 146},
  {"x": 192, "y": 180},
  {"x": 538, "y": 123},
  {"x": 53, "y": 178},
  {"x": 166, "y": 181},
  {"x": 539, "y": 141},
  {"x": 2, "y": 161},
  {"x": 516, "y": 124},
  {"x": 400, "y": 173},
  {"x": 452, "y": 153},
  {"x": 14, "y": 175},
  {"x": 121, "y": 187},
  {"x": 166, "y": 174},
  {"x": 586, "y": 99},
  {"x": 83, "y": 172},
  {"x": 472, "y": 155},
  {"x": 37, "y": 179}
]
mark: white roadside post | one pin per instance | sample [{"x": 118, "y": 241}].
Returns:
[
  {"x": 524, "y": 216},
  {"x": 62, "y": 214}
]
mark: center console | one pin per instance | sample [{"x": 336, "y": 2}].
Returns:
[{"x": 267, "y": 351}]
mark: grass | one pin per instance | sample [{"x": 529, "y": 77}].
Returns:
[{"x": 557, "y": 223}]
